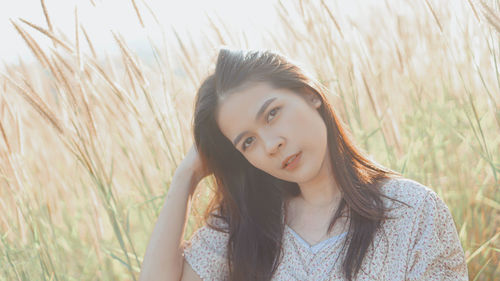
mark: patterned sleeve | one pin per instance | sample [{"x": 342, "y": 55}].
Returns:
[
  {"x": 206, "y": 253},
  {"x": 436, "y": 253}
]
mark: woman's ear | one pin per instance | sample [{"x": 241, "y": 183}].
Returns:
[
  {"x": 311, "y": 98},
  {"x": 314, "y": 101}
]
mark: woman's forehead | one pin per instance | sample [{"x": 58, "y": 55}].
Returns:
[
  {"x": 250, "y": 100},
  {"x": 243, "y": 108},
  {"x": 255, "y": 94}
]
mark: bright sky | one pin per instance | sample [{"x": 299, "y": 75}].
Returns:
[{"x": 119, "y": 15}]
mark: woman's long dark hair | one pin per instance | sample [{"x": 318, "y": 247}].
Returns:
[{"x": 249, "y": 200}]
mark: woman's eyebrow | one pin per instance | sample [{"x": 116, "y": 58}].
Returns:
[{"x": 257, "y": 116}]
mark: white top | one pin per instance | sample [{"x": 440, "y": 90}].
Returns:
[{"x": 422, "y": 244}]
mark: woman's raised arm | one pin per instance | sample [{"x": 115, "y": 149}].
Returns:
[{"x": 163, "y": 259}]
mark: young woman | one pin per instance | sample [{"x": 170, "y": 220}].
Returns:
[{"x": 295, "y": 198}]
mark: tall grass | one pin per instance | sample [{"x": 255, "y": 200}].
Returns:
[{"x": 89, "y": 142}]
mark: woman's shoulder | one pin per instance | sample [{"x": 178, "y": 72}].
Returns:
[
  {"x": 411, "y": 192},
  {"x": 423, "y": 232},
  {"x": 206, "y": 250},
  {"x": 214, "y": 233},
  {"x": 206, "y": 254}
]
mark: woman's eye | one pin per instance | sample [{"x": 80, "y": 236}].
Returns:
[
  {"x": 275, "y": 110},
  {"x": 243, "y": 146},
  {"x": 272, "y": 113}
]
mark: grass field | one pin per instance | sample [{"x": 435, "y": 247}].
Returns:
[{"x": 88, "y": 142}]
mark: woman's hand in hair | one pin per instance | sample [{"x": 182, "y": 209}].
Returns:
[{"x": 192, "y": 166}]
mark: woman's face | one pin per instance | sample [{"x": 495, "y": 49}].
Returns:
[{"x": 268, "y": 125}]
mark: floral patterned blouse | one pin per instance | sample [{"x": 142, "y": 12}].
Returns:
[{"x": 422, "y": 244}]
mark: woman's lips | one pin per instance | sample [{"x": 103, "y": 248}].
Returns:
[{"x": 294, "y": 163}]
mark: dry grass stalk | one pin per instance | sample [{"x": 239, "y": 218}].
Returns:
[
  {"x": 372, "y": 99},
  {"x": 49, "y": 34},
  {"x": 185, "y": 57},
  {"x": 483, "y": 247},
  {"x": 222, "y": 41},
  {"x": 41, "y": 56},
  {"x": 4, "y": 136},
  {"x": 474, "y": 10},
  {"x": 283, "y": 14},
  {"x": 137, "y": 13},
  {"x": 395, "y": 132},
  {"x": 132, "y": 61},
  {"x": 91, "y": 47},
  {"x": 116, "y": 89},
  {"x": 399, "y": 56},
  {"x": 434, "y": 15},
  {"x": 77, "y": 42},
  {"x": 90, "y": 117},
  {"x": 66, "y": 64},
  {"x": 16, "y": 123},
  {"x": 225, "y": 28},
  {"x": 32, "y": 98},
  {"x": 330, "y": 14},
  {"x": 67, "y": 86},
  {"x": 490, "y": 15},
  {"x": 46, "y": 14},
  {"x": 152, "y": 13},
  {"x": 129, "y": 75},
  {"x": 32, "y": 45}
]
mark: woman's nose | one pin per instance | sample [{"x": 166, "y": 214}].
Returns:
[{"x": 274, "y": 144}]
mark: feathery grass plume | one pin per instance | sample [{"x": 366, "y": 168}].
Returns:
[
  {"x": 48, "y": 34},
  {"x": 130, "y": 59},
  {"x": 492, "y": 16},
  {"x": 144, "y": 85},
  {"x": 32, "y": 98},
  {"x": 36, "y": 50}
]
